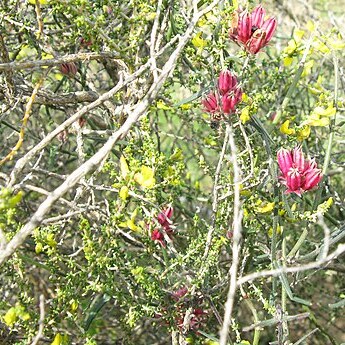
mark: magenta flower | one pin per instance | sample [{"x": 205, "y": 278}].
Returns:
[
  {"x": 163, "y": 219},
  {"x": 210, "y": 103},
  {"x": 230, "y": 100},
  {"x": 227, "y": 82},
  {"x": 158, "y": 236},
  {"x": 251, "y": 30},
  {"x": 198, "y": 317},
  {"x": 230, "y": 94},
  {"x": 178, "y": 294},
  {"x": 298, "y": 174}
]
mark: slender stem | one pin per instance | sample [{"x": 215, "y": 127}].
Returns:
[
  {"x": 298, "y": 244},
  {"x": 331, "y": 134},
  {"x": 236, "y": 245},
  {"x": 215, "y": 193},
  {"x": 294, "y": 82},
  {"x": 283, "y": 297},
  {"x": 332, "y": 124},
  {"x": 251, "y": 307},
  {"x": 273, "y": 253}
]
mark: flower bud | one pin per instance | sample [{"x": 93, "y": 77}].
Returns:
[
  {"x": 69, "y": 69},
  {"x": 210, "y": 103}
]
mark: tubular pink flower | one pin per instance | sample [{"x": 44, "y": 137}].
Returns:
[
  {"x": 164, "y": 218},
  {"x": 251, "y": 31},
  {"x": 230, "y": 94},
  {"x": 312, "y": 178},
  {"x": 244, "y": 27},
  {"x": 258, "y": 16},
  {"x": 298, "y": 174},
  {"x": 228, "y": 104},
  {"x": 230, "y": 100},
  {"x": 269, "y": 26},
  {"x": 210, "y": 103},
  {"x": 284, "y": 160},
  {"x": 294, "y": 181},
  {"x": 298, "y": 159},
  {"x": 226, "y": 82},
  {"x": 257, "y": 41},
  {"x": 158, "y": 236}
]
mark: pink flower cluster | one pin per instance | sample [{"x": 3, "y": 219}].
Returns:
[
  {"x": 198, "y": 315},
  {"x": 298, "y": 174},
  {"x": 251, "y": 30},
  {"x": 164, "y": 219},
  {"x": 229, "y": 95},
  {"x": 197, "y": 318}
]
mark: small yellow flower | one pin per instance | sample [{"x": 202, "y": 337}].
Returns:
[
  {"x": 146, "y": 177},
  {"x": 244, "y": 117},
  {"x": 284, "y": 128},
  {"x": 124, "y": 167},
  {"x": 266, "y": 208},
  {"x": 303, "y": 133}
]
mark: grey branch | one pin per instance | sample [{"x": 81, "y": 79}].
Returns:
[{"x": 15, "y": 66}]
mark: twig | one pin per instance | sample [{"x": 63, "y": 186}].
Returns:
[
  {"x": 293, "y": 269},
  {"x": 274, "y": 321},
  {"x": 301, "y": 341},
  {"x": 39, "y": 19},
  {"x": 16, "y": 66},
  {"x": 40, "y": 322},
  {"x": 153, "y": 40},
  {"x": 20, "y": 164},
  {"x": 215, "y": 193},
  {"x": 237, "y": 230},
  {"x": 24, "y": 122}
]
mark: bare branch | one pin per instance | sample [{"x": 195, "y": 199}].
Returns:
[
  {"x": 40, "y": 322},
  {"x": 16, "y": 66},
  {"x": 237, "y": 233},
  {"x": 293, "y": 269}
]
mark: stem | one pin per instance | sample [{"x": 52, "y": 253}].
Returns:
[
  {"x": 331, "y": 134},
  {"x": 215, "y": 193},
  {"x": 273, "y": 254},
  {"x": 255, "y": 316},
  {"x": 298, "y": 244},
  {"x": 283, "y": 297},
  {"x": 294, "y": 82},
  {"x": 236, "y": 245},
  {"x": 332, "y": 124}
]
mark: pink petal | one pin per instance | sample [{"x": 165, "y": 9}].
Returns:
[
  {"x": 257, "y": 42},
  {"x": 244, "y": 27},
  {"x": 284, "y": 157},
  {"x": 269, "y": 26},
  {"x": 294, "y": 180},
  {"x": 298, "y": 159},
  {"x": 258, "y": 16},
  {"x": 210, "y": 103},
  {"x": 226, "y": 82},
  {"x": 312, "y": 179}
]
